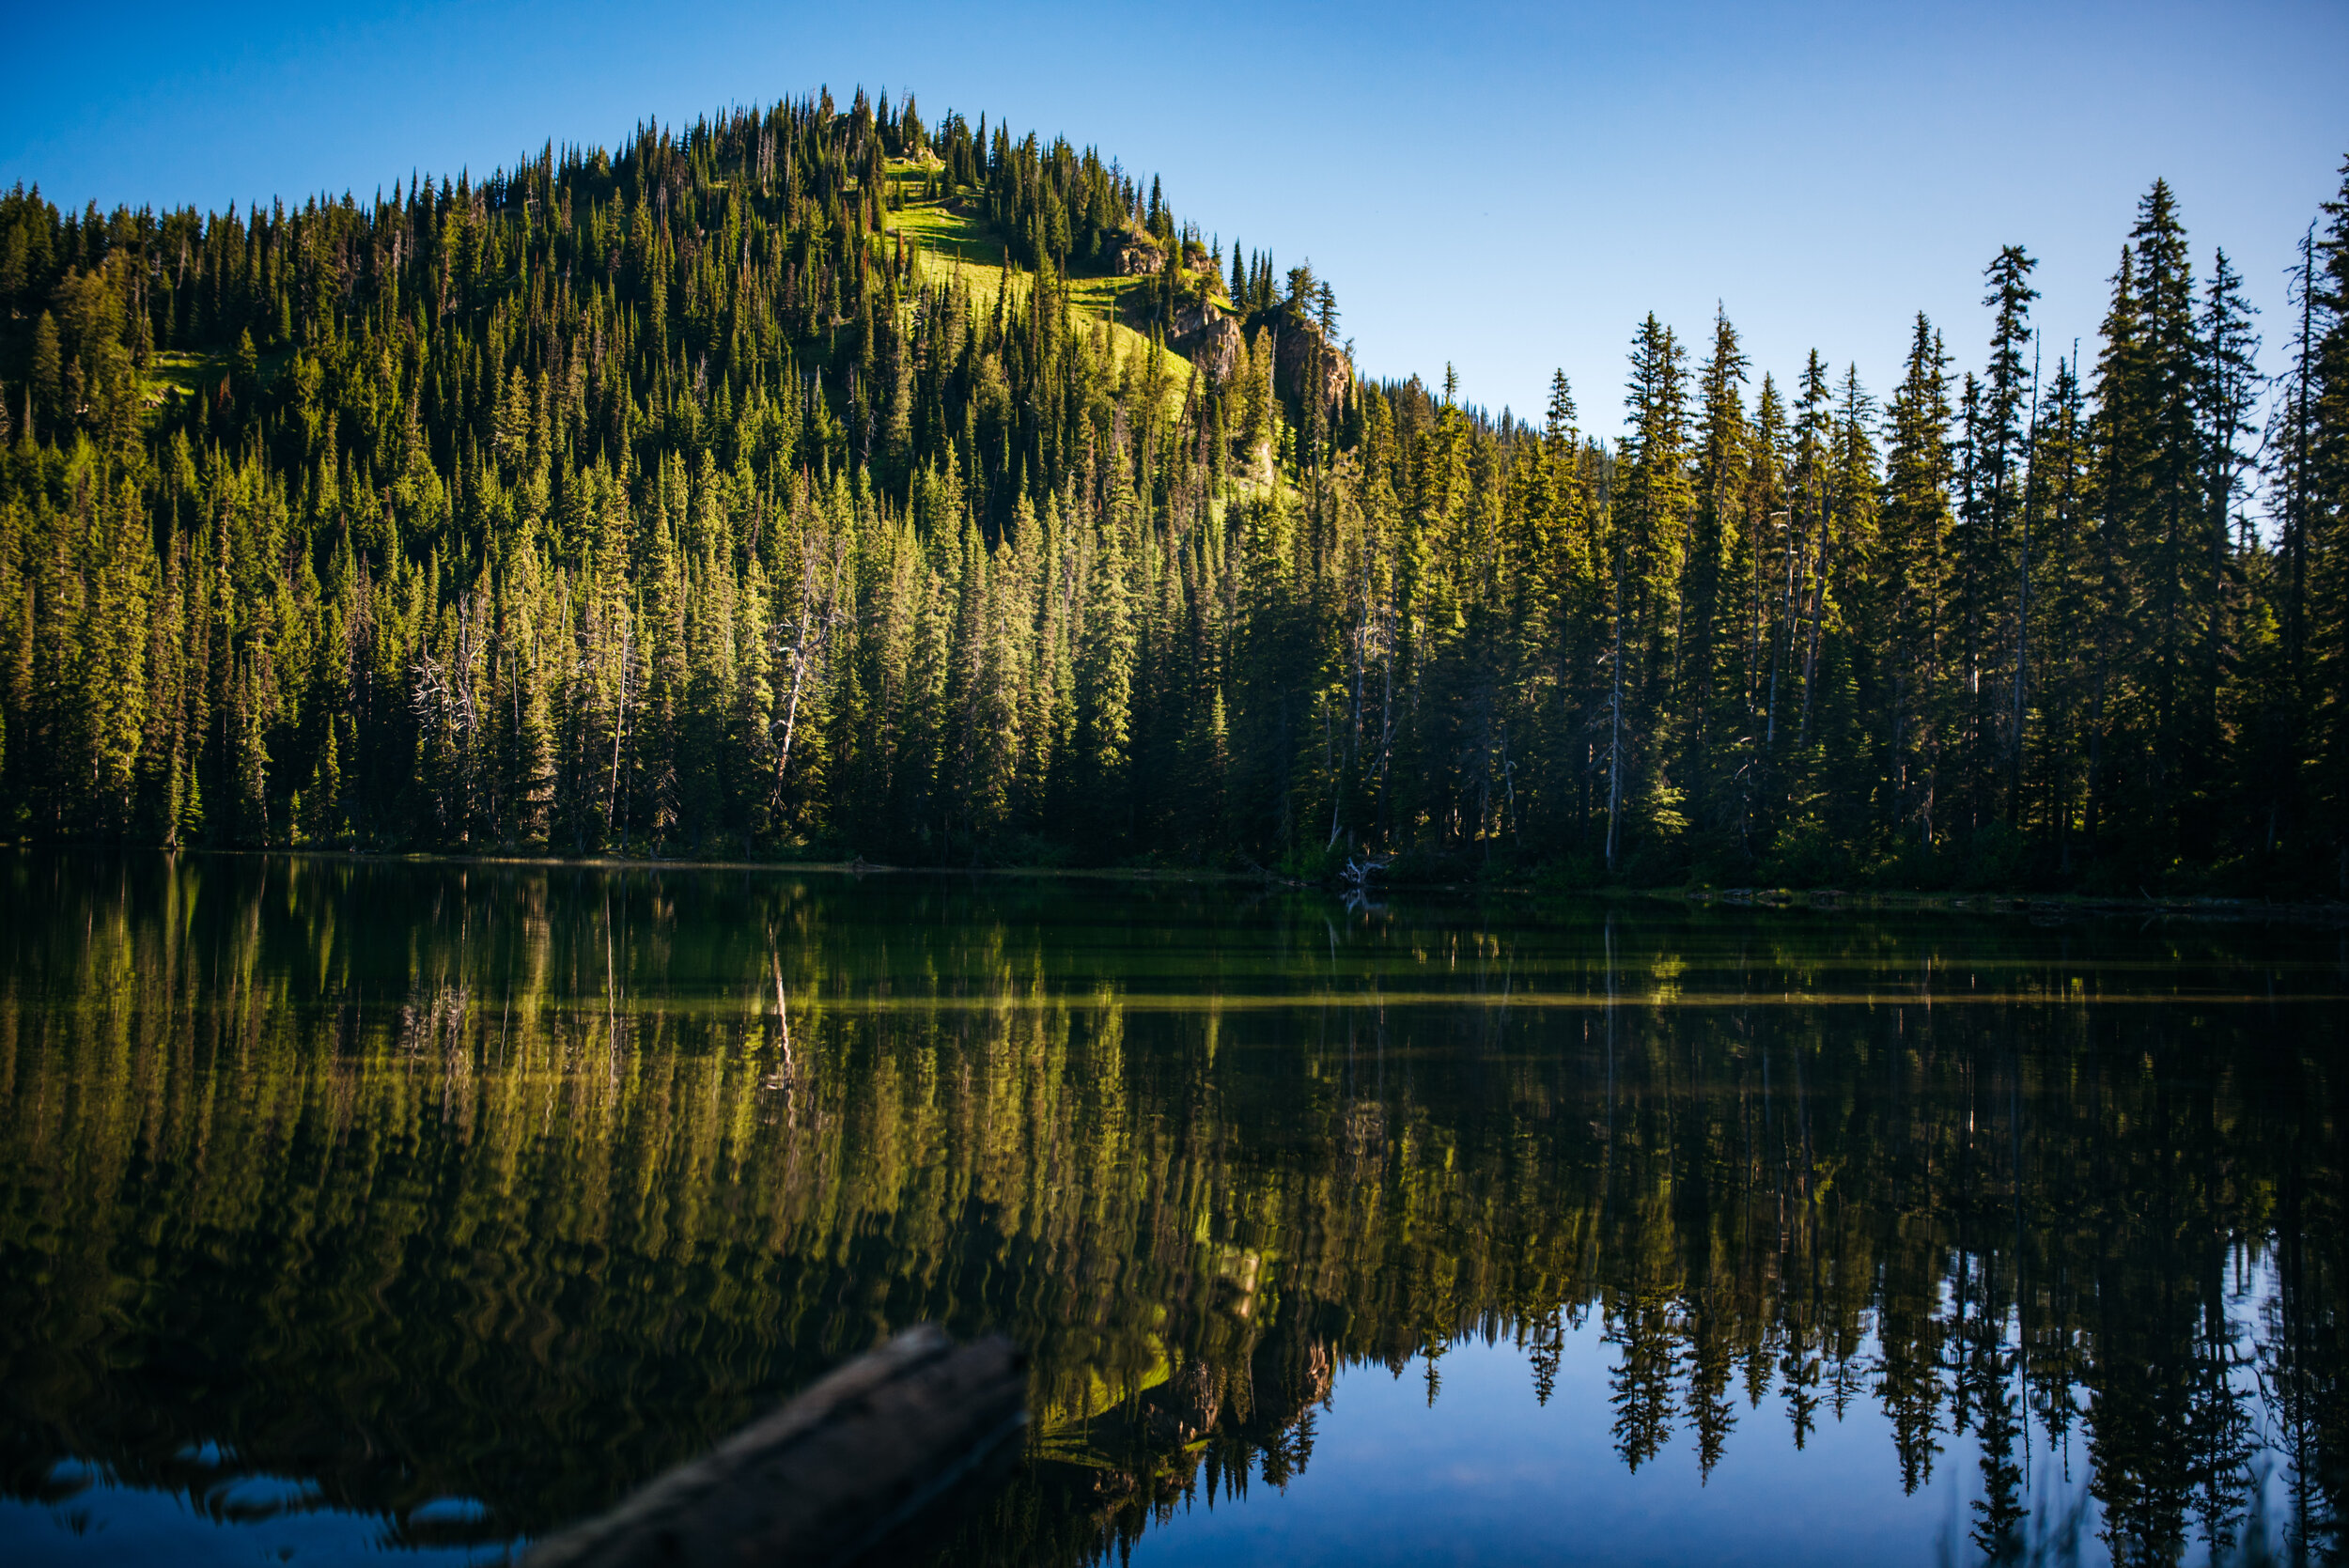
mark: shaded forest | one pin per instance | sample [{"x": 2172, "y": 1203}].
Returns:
[
  {"x": 820, "y": 483},
  {"x": 518, "y": 1184}
]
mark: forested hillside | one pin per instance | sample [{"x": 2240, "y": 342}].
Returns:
[{"x": 819, "y": 483}]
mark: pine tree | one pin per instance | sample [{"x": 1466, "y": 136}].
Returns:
[
  {"x": 2158, "y": 589},
  {"x": 1995, "y": 563},
  {"x": 2227, "y": 393},
  {"x": 2326, "y": 512},
  {"x": 1649, "y": 525},
  {"x": 1915, "y": 530},
  {"x": 1707, "y": 681}
]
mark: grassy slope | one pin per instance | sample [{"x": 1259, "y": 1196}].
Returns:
[{"x": 947, "y": 243}]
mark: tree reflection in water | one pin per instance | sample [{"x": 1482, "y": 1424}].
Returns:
[{"x": 404, "y": 1183}]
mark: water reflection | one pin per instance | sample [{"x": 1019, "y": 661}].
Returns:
[{"x": 460, "y": 1199}]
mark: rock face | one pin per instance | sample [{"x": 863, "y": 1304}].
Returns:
[
  {"x": 1134, "y": 256},
  {"x": 1220, "y": 348},
  {"x": 1211, "y": 338},
  {"x": 1190, "y": 318},
  {"x": 1304, "y": 361},
  {"x": 1184, "y": 1408}
]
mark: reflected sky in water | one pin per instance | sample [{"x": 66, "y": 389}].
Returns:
[
  {"x": 1485, "y": 1473},
  {"x": 255, "y": 1519}
]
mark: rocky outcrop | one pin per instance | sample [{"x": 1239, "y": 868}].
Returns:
[
  {"x": 1133, "y": 256},
  {"x": 1184, "y": 1408},
  {"x": 1304, "y": 361},
  {"x": 1191, "y": 317},
  {"x": 1202, "y": 330}
]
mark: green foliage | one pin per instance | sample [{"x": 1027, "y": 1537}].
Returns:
[{"x": 821, "y": 477}]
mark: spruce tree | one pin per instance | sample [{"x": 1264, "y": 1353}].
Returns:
[
  {"x": 1918, "y": 471},
  {"x": 1706, "y": 681},
  {"x": 1995, "y": 568}
]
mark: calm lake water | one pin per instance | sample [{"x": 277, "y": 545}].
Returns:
[{"x": 406, "y": 1211}]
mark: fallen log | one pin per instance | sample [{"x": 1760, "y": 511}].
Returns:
[{"x": 867, "y": 1466}]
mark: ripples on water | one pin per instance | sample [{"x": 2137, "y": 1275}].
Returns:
[{"x": 364, "y": 1208}]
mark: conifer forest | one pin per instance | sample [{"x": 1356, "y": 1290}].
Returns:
[{"x": 826, "y": 483}]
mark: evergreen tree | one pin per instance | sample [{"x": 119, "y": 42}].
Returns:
[{"x": 1918, "y": 472}]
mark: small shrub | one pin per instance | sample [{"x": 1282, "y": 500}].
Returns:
[
  {"x": 1996, "y": 856},
  {"x": 1313, "y": 864},
  {"x": 1805, "y": 855},
  {"x": 1575, "y": 874},
  {"x": 1427, "y": 867},
  {"x": 1024, "y": 850}
]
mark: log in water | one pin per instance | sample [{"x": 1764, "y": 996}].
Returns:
[{"x": 864, "y": 1466}]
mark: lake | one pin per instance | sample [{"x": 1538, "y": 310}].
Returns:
[{"x": 395, "y": 1211}]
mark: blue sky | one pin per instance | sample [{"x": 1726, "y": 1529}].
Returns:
[{"x": 1506, "y": 187}]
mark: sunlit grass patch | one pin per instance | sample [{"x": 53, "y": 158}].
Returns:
[{"x": 951, "y": 244}]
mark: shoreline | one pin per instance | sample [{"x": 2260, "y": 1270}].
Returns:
[
  {"x": 2193, "y": 907},
  {"x": 1824, "y": 900},
  {"x": 858, "y": 867}
]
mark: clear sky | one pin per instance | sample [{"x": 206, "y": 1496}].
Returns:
[{"x": 1509, "y": 188}]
